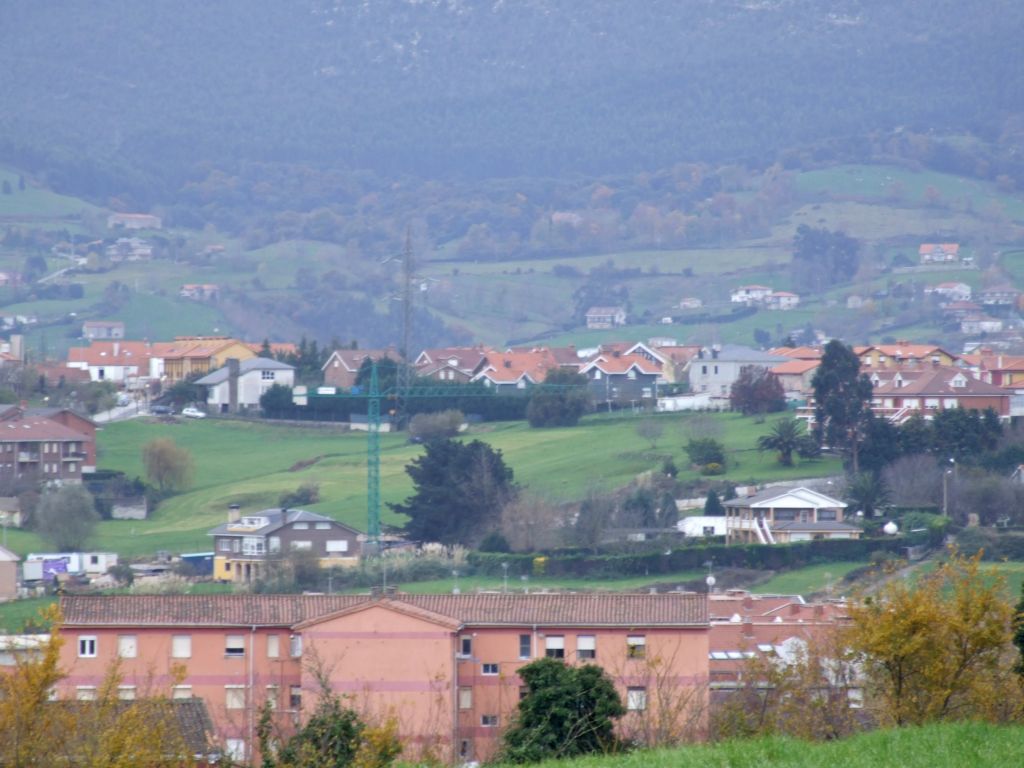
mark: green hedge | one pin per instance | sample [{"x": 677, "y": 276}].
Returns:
[{"x": 755, "y": 556}]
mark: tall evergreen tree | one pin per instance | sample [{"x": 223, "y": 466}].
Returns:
[{"x": 842, "y": 399}]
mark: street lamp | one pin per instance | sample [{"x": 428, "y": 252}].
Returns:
[
  {"x": 710, "y": 580},
  {"x": 455, "y": 589},
  {"x": 504, "y": 578}
]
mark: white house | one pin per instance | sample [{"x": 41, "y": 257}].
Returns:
[
  {"x": 239, "y": 385},
  {"x": 781, "y": 300},
  {"x": 750, "y": 294},
  {"x": 953, "y": 291},
  {"x": 782, "y": 515}
]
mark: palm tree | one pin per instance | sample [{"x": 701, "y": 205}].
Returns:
[
  {"x": 867, "y": 493},
  {"x": 786, "y": 437}
]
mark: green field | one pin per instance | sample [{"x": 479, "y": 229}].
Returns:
[
  {"x": 516, "y": 584},
  {"x": 977, "y": 745},
  {"x": 902, "y": 186},
  {"x": 35, "y": 202},
  {"x": 810, "y": 580},
  {"x": 252, "y": 464}
]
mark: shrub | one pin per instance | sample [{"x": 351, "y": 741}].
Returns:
[
  {"x": 436, "y": 426},
  {"x": 705, "y": 450},
  {"x": 714, "y": 468},
  {"x": 307, "y": 493}
]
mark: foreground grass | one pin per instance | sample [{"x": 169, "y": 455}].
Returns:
[
  {"x": 977, "y": 745},
  {"x": 252, "y": 464}
]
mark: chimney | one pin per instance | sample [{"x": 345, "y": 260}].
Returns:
[
  {"x": 117, "y": 348},
  {"x": 234, "y": 513},
  {"x": 233, "y": 367},
  {"x": 748, "y": 628}
]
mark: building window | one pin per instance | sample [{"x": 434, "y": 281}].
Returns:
[
  {"x": 234, "y": 697},
  {"x": 235, "y": 749},
  {"x": 301, "y": 526},
  {"x": 636, "y": 646},
  {"x": 525, "y": 649},
  {"x": 274, "y": 544},
  {"x": 636, "y": 699},
  {"x": 302, "y": 545},
  {"x": 127, "y": 646},
  {"x": 295, "y": 646},
  {"x": 87, "y": 647},
  {"x": 181, "y": 692},
  {"x": 267, "y": 375},
  {"x": 554, "y": 646},
  {"x": 523, "y": 690},
  {"x": 234, "y": 645},
  {"x": 465, "y": 698},
  {"x": 85, "y": 693},
  {"x": 490, "y": 669},
  {"x": 465, "y": 646},
  {"x": 464, "y": 748},
  {"x": 181, "y": 646},
  {"x": 273, "y": 646},
  {"x": 295, "y": 697},
  {"x": 586, "y": 647},
  {"x": 126, "y": 692},
  {"x": 272, "y": 697},
  {"x": 489, "y": 721},
  {"x": 337, "y": 545},
  {"x": 323, "y": 526},
  {"x": 224, "y": 545}
]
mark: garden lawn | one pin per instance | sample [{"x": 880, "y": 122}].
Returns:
[{"x": 253, "y": 463}]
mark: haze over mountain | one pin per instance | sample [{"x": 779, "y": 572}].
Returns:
[{"x": 116, "y": 97}]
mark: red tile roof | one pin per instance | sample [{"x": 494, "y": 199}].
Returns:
[
  {"x": 516, "y": 609},
  {"x": 37, "y": 428},
  {"x": 797, "y": 367},
  {"x": 111, "y": 353},
  {"x": 937, "y": 382},
  {"x": 622, "y": 363}
]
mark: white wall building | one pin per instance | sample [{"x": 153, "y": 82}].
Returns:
[{"x": 238, "y": 386}]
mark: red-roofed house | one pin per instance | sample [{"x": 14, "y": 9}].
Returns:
[
  {"x": 444, "y": 665},
  {"x": 903, "y": 394},
  {"x": 117, "y": 361},
  {"x": 939, "y": 253},
  {"x": 459, "y": 364},
  {"x": 953, "y": 291},
  {"x": 795, "y": 376},
  {"x": 517, "y": 369},
  {"x": 41, "y": 447},
  {"x": 781, "y": 300},
  {"x": 342, "y": 367}
]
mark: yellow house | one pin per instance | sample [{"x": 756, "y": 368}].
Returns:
[
  {"x": 197, "y": 355},
  {"x": 903, "y": 355}
]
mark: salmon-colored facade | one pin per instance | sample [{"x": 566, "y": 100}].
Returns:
[{"x": 444, "y": 666}]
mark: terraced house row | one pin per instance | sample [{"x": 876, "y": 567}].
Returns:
[{"x": 444, "y": 666}]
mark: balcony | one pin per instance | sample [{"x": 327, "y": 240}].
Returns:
[{"x": 27, "y": 456}]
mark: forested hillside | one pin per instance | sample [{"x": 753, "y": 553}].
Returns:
[{"x": 114, "y": 98}]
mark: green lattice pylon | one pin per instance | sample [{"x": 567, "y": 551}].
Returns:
[{"x": 373, "y": 458}]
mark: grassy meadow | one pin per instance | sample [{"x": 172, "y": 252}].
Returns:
[
  {"x": 252, "y": 464},
  {"x": 978, "y": 745}
]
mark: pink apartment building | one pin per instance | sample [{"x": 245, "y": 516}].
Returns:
[{"x": 443, "y": 665}]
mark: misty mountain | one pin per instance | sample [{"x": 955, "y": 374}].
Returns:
[{"x": 118, "y": 97}]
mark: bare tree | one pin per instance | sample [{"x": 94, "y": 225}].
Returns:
[
  {"x": 914, "y": 481},
  {"x": 531, "y": 522},
  {"x": 700, "y": 425},
  {"x": 651, "y": 430}
]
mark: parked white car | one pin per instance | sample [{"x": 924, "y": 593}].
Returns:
[{"x": 193, "y": 413}]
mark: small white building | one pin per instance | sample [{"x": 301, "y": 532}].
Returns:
[
  {"x": 702, "y": 526},
  {"x": 239, "y": 385},
  {"x": 750, "y": 294},
  {"x": 782, "y": 300},
  {"x": 952, "y": 291}
]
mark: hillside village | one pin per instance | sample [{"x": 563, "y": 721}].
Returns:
[{"x": 671, "y": 365}]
